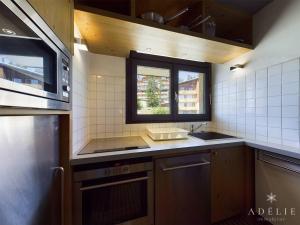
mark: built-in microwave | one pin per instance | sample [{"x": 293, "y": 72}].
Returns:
[{"x": 34, "y": 64}]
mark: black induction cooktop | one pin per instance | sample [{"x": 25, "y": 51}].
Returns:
[{"x": 114, "y": 144}]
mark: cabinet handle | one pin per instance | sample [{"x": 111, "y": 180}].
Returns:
[
  {"x": 61, "y": 171},
  {"x": 185, "y": 166},
  {"x": 279, "y": 166}
]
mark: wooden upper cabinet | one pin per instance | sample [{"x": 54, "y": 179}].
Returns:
[{"x": 59, "y": 15}]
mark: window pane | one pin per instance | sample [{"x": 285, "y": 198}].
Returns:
[
  {"x": 153, "y": 90},
  {"x": 191, "y": 92}
]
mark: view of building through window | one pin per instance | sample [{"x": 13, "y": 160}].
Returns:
[
  {"x": 153, "y": 90},
  {"x": 191, "y": 92}
]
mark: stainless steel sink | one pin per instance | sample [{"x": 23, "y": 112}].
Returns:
[{"x": 210, "y": 135}]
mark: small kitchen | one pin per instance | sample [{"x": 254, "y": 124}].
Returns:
[{"x": 141, "y": 113}]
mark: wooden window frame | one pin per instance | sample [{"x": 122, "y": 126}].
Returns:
[{"x": 174, "y": 65}]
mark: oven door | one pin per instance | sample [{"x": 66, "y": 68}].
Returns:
[
  {"x": 29, "y": 61},
  {"x": 122, "y": 200}
]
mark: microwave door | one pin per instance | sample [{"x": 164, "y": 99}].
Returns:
[
  {"x": 26, "y": 64},
  {"x": 28, "y": 61}
]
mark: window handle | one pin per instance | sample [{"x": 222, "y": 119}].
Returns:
[{"x": 176, "y": 97}]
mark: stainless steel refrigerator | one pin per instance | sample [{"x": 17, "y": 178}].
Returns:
[{"x": 30, "y": 176}]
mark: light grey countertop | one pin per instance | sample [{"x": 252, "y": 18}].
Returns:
[
  {"x": 274, "y": 148},
  {"x": 156, "y": 148},
  {"x": 192, "y": 144}
]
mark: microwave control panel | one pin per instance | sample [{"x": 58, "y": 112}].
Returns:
[{"x": 66, "y": 80}]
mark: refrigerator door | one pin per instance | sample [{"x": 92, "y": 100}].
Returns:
[{"x": 30, "y": 187}]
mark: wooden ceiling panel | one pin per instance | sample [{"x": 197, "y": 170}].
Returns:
[{"x": 117, "y": 36}]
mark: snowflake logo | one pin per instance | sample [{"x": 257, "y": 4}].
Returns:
[{"x": 271, "y": 198}]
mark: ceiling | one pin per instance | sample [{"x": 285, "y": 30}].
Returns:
[{"x": 249, "y": 6}]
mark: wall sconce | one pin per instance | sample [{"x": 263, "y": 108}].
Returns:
[
  {"x": 232, "y": 68},
  {"x": 80, "y": 44}
]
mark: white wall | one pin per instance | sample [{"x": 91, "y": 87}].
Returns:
[{"x": 261, "y": 101}]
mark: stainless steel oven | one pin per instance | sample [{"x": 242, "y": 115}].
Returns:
[
  {"x": 119, "y": 193},
  {"x": 34, "y": 64}
]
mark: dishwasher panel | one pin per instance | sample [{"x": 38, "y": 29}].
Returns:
[{"x": 277, "y": 188}]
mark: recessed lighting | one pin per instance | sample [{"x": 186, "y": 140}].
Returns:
[
  {"x": 98, "y": 76},
  {"x": 8, "y": 31}
]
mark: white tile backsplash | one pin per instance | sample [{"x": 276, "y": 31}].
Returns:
[
  {"x": 292, "y": 65},
  {"x": 274, "y": 101},
  {"x": 290, "y": 77},
  {"x": 290, "y": 88},
  {"x": 80, "y": 95},
  {"x": 290, "y": 111},
  {"x": 268, "y": 102},
  {"x": 290, "y": 100},
  {"x": 275, "y": 71},
  {"x": 261, "y": 105},
  {"x": 274, "y": 111},
  {"x": 290, "y": 123},
  {"x": 274, "y": 90},
  {"x": 274, "y": 122}
]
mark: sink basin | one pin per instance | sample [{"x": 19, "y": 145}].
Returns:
[{"x": 210, "y": 135}]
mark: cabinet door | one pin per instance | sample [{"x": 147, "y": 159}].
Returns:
[
  {"x": 182, "y": 190},
  {"x": 58, "y": 14},
  {"x": 231, "y": 182},
  {"x": 280, "y": 176}
]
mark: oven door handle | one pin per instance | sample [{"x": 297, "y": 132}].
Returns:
[{"x": 113, "y": 183}]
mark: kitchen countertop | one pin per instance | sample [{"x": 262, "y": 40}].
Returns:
[
  {"x": 274, "y": 148},
  {"x": 157, "y": 148},
  {"x": 192, "y": 144}
]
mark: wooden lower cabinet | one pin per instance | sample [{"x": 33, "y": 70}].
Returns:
[
  {"x": 182, "y": 190},
  {"x": 232, "y": 182}
]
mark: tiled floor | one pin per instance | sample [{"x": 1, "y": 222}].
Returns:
[{"x": 243, "y": 221}]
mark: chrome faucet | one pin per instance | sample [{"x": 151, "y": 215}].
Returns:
[{"x": 193, "y": 129}]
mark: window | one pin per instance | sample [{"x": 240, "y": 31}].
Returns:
[
  {"x": 153, "y": 90},
  {"x": 162, "y": 89},
  {"x": 191, "y": 91}
]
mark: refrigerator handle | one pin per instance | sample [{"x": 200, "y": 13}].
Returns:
[{"x": 61, "y": 171}]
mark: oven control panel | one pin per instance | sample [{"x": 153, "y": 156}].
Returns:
[
  {"x": 118, "y": 170},
  {"x": 66, "y": 80}
]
